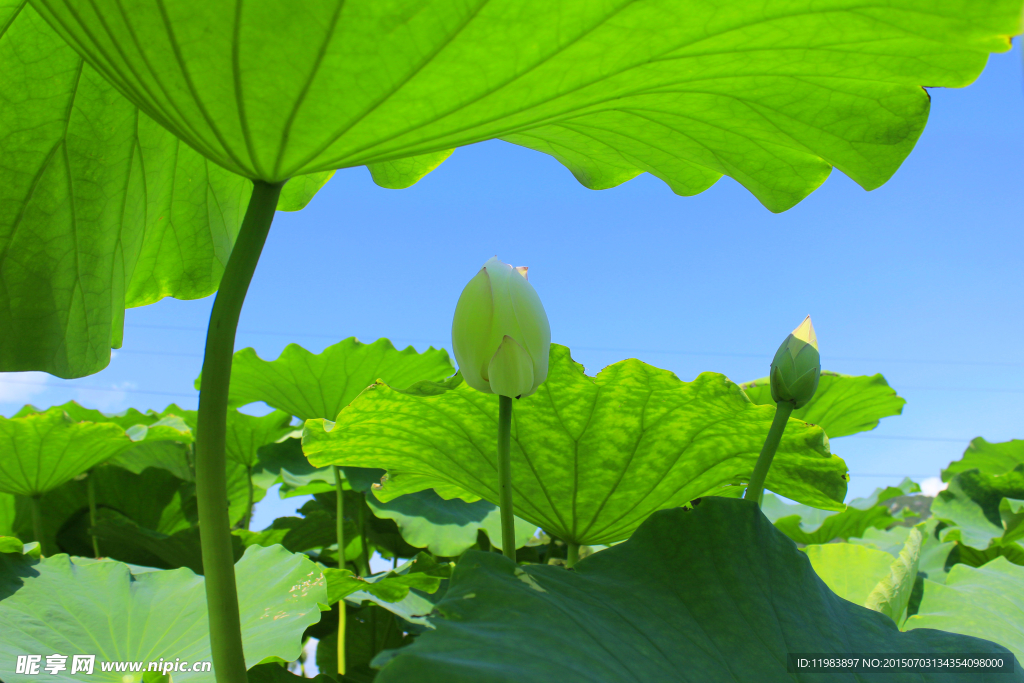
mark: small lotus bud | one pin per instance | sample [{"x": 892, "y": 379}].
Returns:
[
  {"x": 500, "y": 333},
  {"x": 796, "y": 366}
]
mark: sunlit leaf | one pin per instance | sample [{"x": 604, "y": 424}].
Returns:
[
  {"x": 592, "y": 457},
  {"x": 422, "y": 573},
  {"x": 985, "y": 602},
  {"x": 983, "y": 509},
  {"x": 248, "y": 433},
  {"x": 100, "y": 608},
  {"x": 842, "y": 404},
  {"x": 989, "y": 458},
  {"x": 869, "y": 577},
  {"x": 298, "y": 192},
  {"x": 310, "y": 385},
  {"x": 41, "y": 451},
  {"x": 402, "y": 173},
  {"x": 716, "y": 591}
]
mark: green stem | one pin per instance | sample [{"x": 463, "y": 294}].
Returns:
[
  {"x": 92, "y": 513},
  {"x": 211, "y": 468},
  {"x": 340, "y": 530},
  {"x": 248, "y": 508},
  {"x": 574, "y": 555},
  {"x": 508, "y": 520},
  {"x": 365, "y": 557},
  {"x": 37, "y": 524},
  {"x": 755, "y": 489}
]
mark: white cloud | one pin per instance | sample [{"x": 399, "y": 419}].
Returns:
[
  {"x": 20, "y": 387},
  {"x": 932, "y": 485}
]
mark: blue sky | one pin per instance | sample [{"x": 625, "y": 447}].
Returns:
[{"x": 920, "y": 280}]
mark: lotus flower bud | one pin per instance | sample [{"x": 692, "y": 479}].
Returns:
[
  {"x": 500, "y": 334},
  {"x": 796, "y": 366}
]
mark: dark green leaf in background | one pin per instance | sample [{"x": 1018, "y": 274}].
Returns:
[
  {"x": 842, "y": 404},
  {"x": 712, "y": 594},
  {"x": 592, "y": 457}
]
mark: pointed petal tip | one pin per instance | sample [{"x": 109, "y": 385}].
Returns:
[
  {"x": 805, "y": 333},
  {"x": 522, "y": 271}
]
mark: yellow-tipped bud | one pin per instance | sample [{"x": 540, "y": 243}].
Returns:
[
  {"x": 796, "y": 367},
  {"x": 500, "y": 333}
]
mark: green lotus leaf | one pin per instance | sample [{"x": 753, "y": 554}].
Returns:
[
  {"x": 41, "y": 451},
  {"x": 934, "y": 554},
  {"x": 447, "y": 528},
  {"x": 246, "y": 434},
  {"x": 310, "y": 385},
  {"x": 810, "y": 525},
  {"x": 299, "y": 191},
  {"x": 283, "y": 463},
  {"x": 869, "y": 577},
  {"x": 315, "y": 529},
  {"x": 402, "y": 173},
  {"x": 842, "y": 404},
  {"x": 7, "y": 513},
  {"x": 368, "y": 630},
  {"x": 716, "y": 591},
  {"x": 592, "y": 457},
  {"x": 984, "y": 602},
  {"x": 64, "y": 606},
  {"x": 103, "y": 208},
  {"x": 121, "y": 537},
  {"x": 423, "y": 573},
  {"x": 989, "y": 458},
  {"x": 11, "y": 544},
  {"x": 275, "y": 673},
  {"x": 276, "y": 91},
  {"x": 980, "y": 506}
]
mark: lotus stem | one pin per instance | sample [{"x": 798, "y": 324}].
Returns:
[
  {"x": 755, "y": 489},
  {"x": 211, "y": 428},
  {"x": 508, "y": 520},
  {"x": 573, "y": 556},
  {"x": 37, "y": 524},
  {"x": 365, "y": 557},
  {"x": 340, "y": 529},
  {"x": 91, "y": 488}
]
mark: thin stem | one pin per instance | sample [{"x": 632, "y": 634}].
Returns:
[
  {"x": 574, "y": 555},
  {"x": 755, "y": 489},
  {"x": 37, "y": 524},
  {"x": 365, "y": 557},
  {"x": 211, "y": 428},
  {"x": 340, "y": 530},
  {"x": 508, "y": 520},
  {"x": 92, "y": 513},
  {"x": 248, "y": 508}
]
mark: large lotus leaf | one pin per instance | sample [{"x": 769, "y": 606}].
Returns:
[
  {"x": 592, "y": 457},
  {"x": 985, "y": 602},
  {"x": 101, "y": 208},
  {"x": 934, "y": 552},
  {"x": 402, "y": 173},
  {"x": 283, "y": 463},
  {"x": 870, "y": 577},
  {"x": 842, "y": 404},
  {"x": 974, "y": 503},
  {"x": 711, "y": 594},
  {"x": 310, "y": 385},
  {"x": 39, "y": 452},
  {"x": 770, "y": 95},
  {"x": 8, "y": 508},
  {"x": 989, "y": 458},
  {"x": 447, "y": 528},
  {"x": 246, "y": 434},
  {"x": 57, "y": 605},
  {"x": 810, "y": 525}
]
